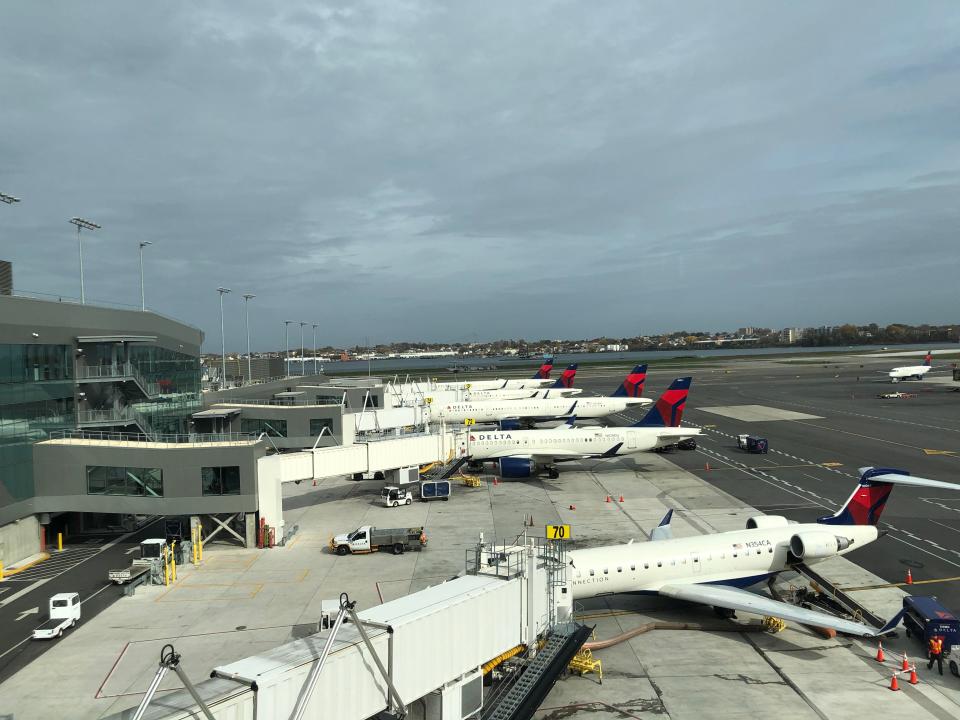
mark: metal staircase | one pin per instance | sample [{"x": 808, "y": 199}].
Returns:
[{"x": 521, "y": 698}]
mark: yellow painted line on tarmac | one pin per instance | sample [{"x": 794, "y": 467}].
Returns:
[
  {"x": 899, "y": 584},
  {"x": 832, "y": 464},
  {"x": 927, "y": 451}
]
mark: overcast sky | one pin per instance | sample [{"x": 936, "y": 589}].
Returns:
[{"x": 466, "y": 171}]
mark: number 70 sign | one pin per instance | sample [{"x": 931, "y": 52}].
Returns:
[{"x": 558, "y": 532}]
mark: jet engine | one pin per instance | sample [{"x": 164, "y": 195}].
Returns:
[
  {"x": 816, "y": 545},
  {"x": 766, "y": 521},
  {"x": 517, "y": 467}
]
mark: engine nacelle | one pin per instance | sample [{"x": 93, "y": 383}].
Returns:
[
  {"x": 517, "y": 467},
  {"x": 816, "y": 545},
  {"x": 766, "y": 521},
  {"x": 509, "y": 424}
]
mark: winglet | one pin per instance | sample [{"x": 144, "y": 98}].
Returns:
[
  {"x": 612, "y": 452},
  {"x": 571, "y": 422},
  {"x": 891, "y": 623},
  {"x": 663, "y": 531}
]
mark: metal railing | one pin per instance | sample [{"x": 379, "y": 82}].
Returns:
[
  {"x": 172, "y": 439},
  {"x": 54, "y": 297},
  {"x": 117, "y": 372}
]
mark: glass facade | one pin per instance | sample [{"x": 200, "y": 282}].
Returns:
[
  {"x": 224, "y": 480},
  {"x": 36, "y": 396},
  {"x": 273, "y": 428},
  {"x": 135, "y": 481}
]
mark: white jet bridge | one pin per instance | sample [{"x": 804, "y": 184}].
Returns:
[{"x": 422, "y": 656}]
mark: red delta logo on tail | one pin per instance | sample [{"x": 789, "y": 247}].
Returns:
[
  {"x": 544, "y": 372},
  {"x": 928, "y": 358},
  {"x": 668, "y": 410},
  {"x": 566, "y": 380},
  {"x": 632, "y": 385},
  {"x": 867, "y": 502}
]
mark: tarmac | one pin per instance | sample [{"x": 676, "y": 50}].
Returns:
[{"x": 239, "y": 602}]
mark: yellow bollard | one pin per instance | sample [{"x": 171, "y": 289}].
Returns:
[
  {"x": 1, "y": 571},
  {"x": 194, "y": 534},
  {"x": 173, "y": 560},
  {"x": 200, "y": 539},
  {"x": 166, "y": 568},
  {"x": 60, "y": 542}
]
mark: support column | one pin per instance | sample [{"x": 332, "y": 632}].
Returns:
[{"x": 251, "y": 529}]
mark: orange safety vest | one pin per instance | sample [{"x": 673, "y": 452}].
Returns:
[{"x": 936, "y": 645}]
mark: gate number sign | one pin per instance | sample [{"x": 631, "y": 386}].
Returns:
[{"x": 558, "y": 532}]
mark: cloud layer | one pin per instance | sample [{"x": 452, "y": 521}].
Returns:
[{"x": 458, "y": 171}]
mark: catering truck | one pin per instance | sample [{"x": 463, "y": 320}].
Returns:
[
  {"x": 368, "y": 538},
  {"x": 149, "y": 563},
  {"x": 64, "y": 613}
]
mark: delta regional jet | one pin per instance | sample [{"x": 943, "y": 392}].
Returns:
[
  {"x": 715, "y": 569},
  {"x": 914, "y": 372},
  {"x": 525, "y": 453},
  {"x": 540, "y": 379},
  {"x": 511, "y": 413}
]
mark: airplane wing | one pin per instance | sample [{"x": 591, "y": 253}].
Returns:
[
  {"x": 679, "y": 433},
  {"x": 746, "y": 601}
]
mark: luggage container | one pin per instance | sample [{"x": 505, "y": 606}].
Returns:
[
  {"x": 434, "y": 490},
  {"x": 753, "y": 444},
  {"x": 926, "y": 617}
]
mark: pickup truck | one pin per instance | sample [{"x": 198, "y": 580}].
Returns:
[
  {"x": 64, "y": 613},
  {"x": 368, "y": 538},
  {"x": 150, "y": 560}
]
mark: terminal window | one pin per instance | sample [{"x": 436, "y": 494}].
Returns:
[
  {"x": 224, "y": 480},
  {"x": 132, "y": 481},
  {"x": 256, "y": 426},
  {"x": 318, "y": 424}
]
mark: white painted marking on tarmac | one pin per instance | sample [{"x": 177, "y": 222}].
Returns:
[
  {"x": 131, "y": 551},
  {"x": 28, "y": 588},
  {"x": 25, "y": 613}
]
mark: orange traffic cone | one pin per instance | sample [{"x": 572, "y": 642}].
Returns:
[
  {"x": 880, "y": 655},
  {"x": 621, "y": 497},
  {"x": 894, "y": 685},
  {"x": 706, "y": 466},
  {"x": 608, "y": 499},
  {"x": 909, "y": 577},
  {"x": 496, "y": 480},
  {"x": 905, "y": 665},
  {"x": 913, "y": 675}
]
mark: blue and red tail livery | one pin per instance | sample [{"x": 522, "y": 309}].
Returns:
[
  {"x": 544, "y": 372},
  {"x": 566, "y": 380},
  {"x": 668, "y": 410},
  {"x": 867, "y": 502},
  {"x": 928, "y": 358},
  {"x": 632, "y": 385}
]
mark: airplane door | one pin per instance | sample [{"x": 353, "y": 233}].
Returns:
[
  {"x": 695, "y": 562},
  {"x": 631, "y": 439}
]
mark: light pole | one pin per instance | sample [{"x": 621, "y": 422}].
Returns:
[
  {"x": 223, "y": 340},
  {"x": 8, "y": 199},
  {"x": 246, "y": 307},
  {"x": 303, "y": 367},
  {"x": 84, "y": 225},
  {"x": 143, "y": 301},
  {"x": 314, "y": 348},
  {"x": 286, "y": 340}
]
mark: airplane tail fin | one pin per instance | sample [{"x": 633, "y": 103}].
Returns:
[
  {"x": 928, "y": 358},
  {"x": 544, "y": 372},
  {"x": 632, "y": 385},
  {"x": 866, "y": 503},
  {"x": 566, "y": 380},
  {"x": 668, "y": 410}
]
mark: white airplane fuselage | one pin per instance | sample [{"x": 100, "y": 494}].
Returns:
[
  {"x": 739, "y": 558},
  {"x": 489, "y": 445},
  {"x": 548, "y": 408},
  {"x": 908, "y": 372},
  {"x": 496, "y": 384},
  {"x": 409, "y": 396}
]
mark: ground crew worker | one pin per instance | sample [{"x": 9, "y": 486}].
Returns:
[{"x": 935, "y": 648}]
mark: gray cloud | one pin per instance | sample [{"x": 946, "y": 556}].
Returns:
[{"x": 450, "y": 171}]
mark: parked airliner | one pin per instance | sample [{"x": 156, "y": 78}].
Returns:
[
  {"x": 511, "y": 414},
  {"x": 715, "y": 569},
  {"x": 524, "y": 453}
]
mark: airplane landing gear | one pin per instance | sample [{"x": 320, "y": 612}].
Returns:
[{"x": 552, "y": 472}]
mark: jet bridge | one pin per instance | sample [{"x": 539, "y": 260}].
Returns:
[{"x": 431, "y": 648}]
